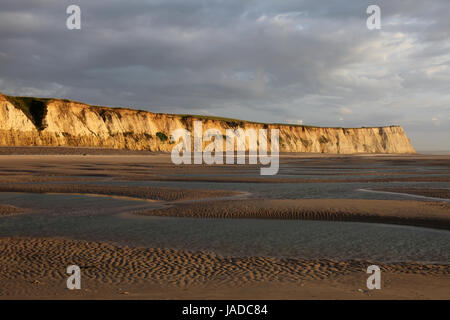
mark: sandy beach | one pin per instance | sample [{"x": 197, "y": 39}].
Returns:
[{"x": 34, "y": 267}]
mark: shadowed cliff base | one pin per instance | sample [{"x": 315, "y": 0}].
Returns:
[
  {"x": 28, "y": 121},
  {"x": 60, "y": 150}
]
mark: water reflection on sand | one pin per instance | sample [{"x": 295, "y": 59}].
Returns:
[{"x": 72, "y": 216}]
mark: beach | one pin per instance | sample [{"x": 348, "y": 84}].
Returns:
[
  {"x": 48, "y": 197},
  {"x": 35, "y": 269}
]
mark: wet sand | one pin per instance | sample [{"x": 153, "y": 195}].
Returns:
[
  {"x": 150, "y": 193},
  {"x": 35, "y": 268},
  {"x": 158, "y": 167},
  {"x": 6, "y": 210},
  {"x": 414, "y": 213},
  {"x": 434, "y": 193}
]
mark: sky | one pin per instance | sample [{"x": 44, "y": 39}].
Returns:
[{"x": 279, "y": 61}]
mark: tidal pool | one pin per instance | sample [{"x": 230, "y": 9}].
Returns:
[{"x": 103, "y": 219}]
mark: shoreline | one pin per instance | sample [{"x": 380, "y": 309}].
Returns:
[{"x": 83, "y": 151}]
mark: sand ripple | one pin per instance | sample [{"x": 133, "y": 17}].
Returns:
[
  {"x": 415, "y": 213},
  {"x": 153, "y": 193},
  {"x": 26, "y": 262}
]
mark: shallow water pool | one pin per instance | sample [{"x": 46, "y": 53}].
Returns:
[{"x": 231, "y": 237}]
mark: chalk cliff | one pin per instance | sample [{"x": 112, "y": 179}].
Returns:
[{"x": 53, "y": 122}]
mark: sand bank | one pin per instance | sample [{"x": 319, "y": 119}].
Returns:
[
  {"x": 7, "y": 210},
  {"x": 152, "y": 193},
  {"x": 414, "y": 213}
]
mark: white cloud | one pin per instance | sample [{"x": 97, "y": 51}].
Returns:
[{"x": 344, "y": 110}]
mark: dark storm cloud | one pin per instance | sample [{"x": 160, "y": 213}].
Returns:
[{"x": 275, "y": 61}]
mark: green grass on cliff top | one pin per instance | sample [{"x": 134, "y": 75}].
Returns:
[{"x": 36, "y": 109}]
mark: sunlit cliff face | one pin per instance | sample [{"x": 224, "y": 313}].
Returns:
[{"x": 56, "y": 122}]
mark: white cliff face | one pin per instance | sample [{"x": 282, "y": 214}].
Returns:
[
  {"x": 12, "y": 119},
  {"x": 68, "y": 123}
]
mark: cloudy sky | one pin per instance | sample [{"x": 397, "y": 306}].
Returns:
[{"x": 301, "y": 61}]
